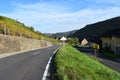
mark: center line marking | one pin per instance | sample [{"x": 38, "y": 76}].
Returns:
[{"x": 36, "y": 53}]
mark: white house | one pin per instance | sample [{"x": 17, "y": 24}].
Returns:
[{"x": 63, "y": 38}]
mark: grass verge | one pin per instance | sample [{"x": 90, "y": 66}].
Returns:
[
  {"x": 111, "y": 55},
  {"x": 70, "y": 64}
]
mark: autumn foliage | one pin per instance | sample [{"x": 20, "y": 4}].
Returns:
[{"x": 9, "y": 26}]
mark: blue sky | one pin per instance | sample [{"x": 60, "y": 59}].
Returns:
[{"x": 51, "y": 16}]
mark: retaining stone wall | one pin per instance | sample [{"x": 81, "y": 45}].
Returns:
[{"x": 14, "y": 43}]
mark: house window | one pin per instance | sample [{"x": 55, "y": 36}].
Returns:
[
  {"x": 106, "y": 45},
  {"x": 110, "y": 45}
]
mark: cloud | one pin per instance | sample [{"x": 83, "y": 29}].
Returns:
[{"x": 49, "y": 17}]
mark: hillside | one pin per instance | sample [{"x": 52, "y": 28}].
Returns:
[
  {"x": 13, "y": 27},
  {"x": 97, "y": 29},
  {"x": 61, "y": 34}
]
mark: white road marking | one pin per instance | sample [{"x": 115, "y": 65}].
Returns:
[
  {"x": 36, "y": 53},
  {"x": 48, "y": 65}
]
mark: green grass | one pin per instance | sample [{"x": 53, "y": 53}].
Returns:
[
  {"x": 111, "y": 55},
  {"x": 70, "y": 64}
]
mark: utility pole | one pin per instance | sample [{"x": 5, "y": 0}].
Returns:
[
  {"x": 4, "y": 28},
  {"x": 114, "y": 43},
  {"x": 8, "y": 32},
  {"x": 20, "y": 34}
]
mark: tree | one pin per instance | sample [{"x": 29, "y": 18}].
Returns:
[
  {"x": 31, "y": 28},
  {"x": 73, "y": 41}
]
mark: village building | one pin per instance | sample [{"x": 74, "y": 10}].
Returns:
[
  {"x": 90, "y": 41},
  {"x": 84, "y": 42},
  {"x": 111, "y": 41},
  {"x": 63, "y": 38}
]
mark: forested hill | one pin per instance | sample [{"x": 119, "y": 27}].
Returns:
[
  {"x": 10, "y": 26},
  {"x": 61, "y": 34},
  {"x": 97, "y": 29}
]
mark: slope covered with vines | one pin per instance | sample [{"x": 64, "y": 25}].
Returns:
[{"x": 10, "y": 26}]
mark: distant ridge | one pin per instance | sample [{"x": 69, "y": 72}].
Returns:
[{"x": 61, "y": 34}]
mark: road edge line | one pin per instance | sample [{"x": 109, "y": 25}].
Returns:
[{"x": 48, "y": 65}]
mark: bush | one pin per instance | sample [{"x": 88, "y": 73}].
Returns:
[{"x": 73, "y": 41}]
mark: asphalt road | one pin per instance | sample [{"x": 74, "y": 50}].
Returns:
[
  {"x": 111, "y": 63},
  {"x": 26, "y": 66}
]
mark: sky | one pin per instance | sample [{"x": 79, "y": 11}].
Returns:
[{"x": 51, "y": 16}]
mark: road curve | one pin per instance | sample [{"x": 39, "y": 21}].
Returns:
[{"x": 26, "y": 66}]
